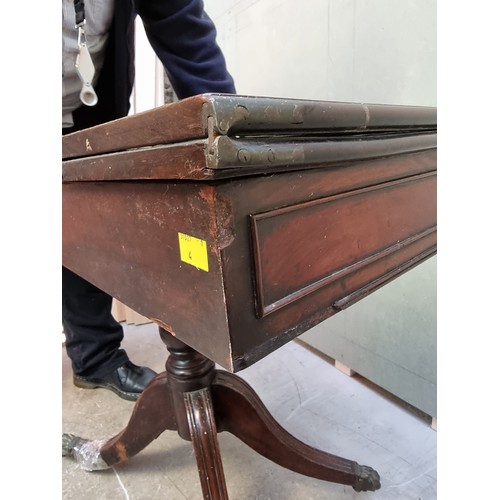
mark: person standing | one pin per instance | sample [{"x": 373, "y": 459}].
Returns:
[{"x": 97, "y": 80}]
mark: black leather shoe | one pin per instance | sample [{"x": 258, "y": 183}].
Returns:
[{"x": 127, "y": 381}]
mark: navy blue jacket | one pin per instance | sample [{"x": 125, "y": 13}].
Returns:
[{"x": 183, "y": 38}]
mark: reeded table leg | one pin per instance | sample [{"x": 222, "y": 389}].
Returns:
[
  {"x": 206, "y": 445},
  {"x": 240, "y": 412},
  {"x": 199, "y": 401},
  {"x": 190, "y": 376}
]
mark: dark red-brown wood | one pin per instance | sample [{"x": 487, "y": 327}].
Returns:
[
  {"x": 300, "y": 209},
  {"x": 352, "y": 228},
  {"x": 198, "y": 401}
]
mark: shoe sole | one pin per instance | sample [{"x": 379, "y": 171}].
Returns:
[{"x": 85, "y": 384}]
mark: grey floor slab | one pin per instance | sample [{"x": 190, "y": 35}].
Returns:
[{"x": 308, "y": 396}]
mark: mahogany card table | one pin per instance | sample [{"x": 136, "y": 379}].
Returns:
[{"x": 236, "y": 223}]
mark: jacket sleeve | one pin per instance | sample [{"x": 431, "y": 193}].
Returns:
[{"x": 184, "y": 39}]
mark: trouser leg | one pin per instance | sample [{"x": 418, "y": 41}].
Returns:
[{"x": 93, "y": 336}]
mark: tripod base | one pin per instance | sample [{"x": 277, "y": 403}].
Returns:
[{"x": 198, "y": 401}]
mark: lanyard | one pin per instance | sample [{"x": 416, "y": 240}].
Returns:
[
  {"x": 79, "y": 13},
  {"x": 84, "y": 65}
]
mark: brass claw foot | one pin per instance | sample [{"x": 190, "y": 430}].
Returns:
[{"x": 368, "y": 479}]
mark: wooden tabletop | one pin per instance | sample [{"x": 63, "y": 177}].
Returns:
[{"x": 239, "y": 222}]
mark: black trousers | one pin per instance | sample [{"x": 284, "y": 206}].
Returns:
[{"x": 93, "y": 336}]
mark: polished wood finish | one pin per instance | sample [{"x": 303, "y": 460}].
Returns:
[
  {"x": 198, "y": 401},
  {"x": 128, "y": 233},
  {"x": 346, "y": 192},
  {"x": 249, "y": 222}
]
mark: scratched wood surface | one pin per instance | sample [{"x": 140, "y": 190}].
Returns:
[{"x": 255, "y": 219}]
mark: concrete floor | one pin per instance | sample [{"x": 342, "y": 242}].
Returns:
[{"x": 308, "y": 396}]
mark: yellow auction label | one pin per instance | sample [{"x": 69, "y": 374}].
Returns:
[{"x": 193, "y": 251}]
